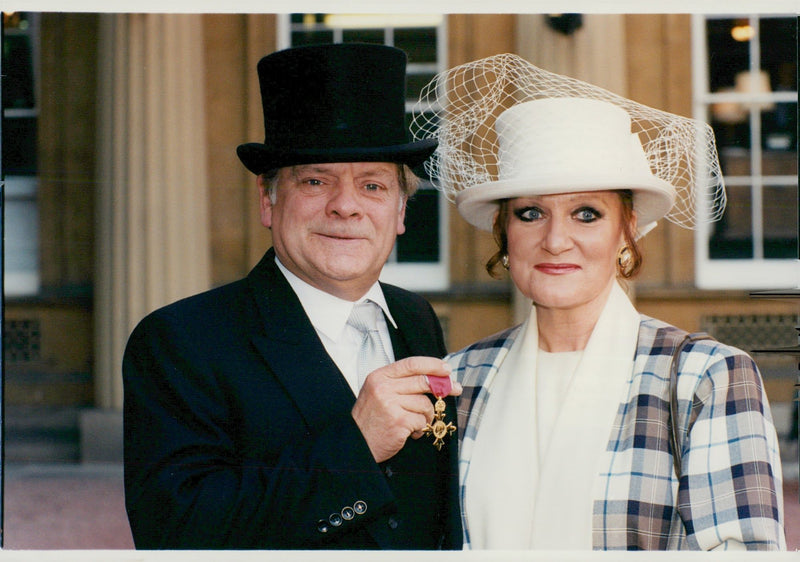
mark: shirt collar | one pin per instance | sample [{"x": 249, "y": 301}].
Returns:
[{"x": 327, "y": 313}]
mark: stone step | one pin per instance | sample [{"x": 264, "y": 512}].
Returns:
[{"x": 41, "y": 434}]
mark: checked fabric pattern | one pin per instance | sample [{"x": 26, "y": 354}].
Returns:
[{"x": 729, "y": 495}]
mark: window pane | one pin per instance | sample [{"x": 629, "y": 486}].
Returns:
[
  {"x": 732, "y": 236},
  {"x": 415, "y": 83},
  {"x": 779, "y": 163},
  {"x": 19, "y": 146},
  {"x": 735, "y": 161},
  {"x": 21, "y": 255},
  {"x": 778, "y": 46},
  {"x": 728, "y": 56},
  {"x": 779, "y": 128},
  {"x": 364, "y": 36},
  {"x": 18, "y": 91},
  {"x": 780, "y": 222},
  {"x": 419, "y": 43},
  {"x": 420, "y": 242},
  {"x": 311, "y": 37},
  {"x": 734, "y": 135},
  {"x": 22, "y": 235}
]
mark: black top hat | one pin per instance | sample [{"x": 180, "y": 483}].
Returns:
[{"x": 333, "y": 103}]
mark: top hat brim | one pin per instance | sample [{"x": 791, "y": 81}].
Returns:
[{"x": 260, "y": 158}]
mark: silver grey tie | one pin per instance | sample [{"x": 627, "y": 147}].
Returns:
[{"x": 371, "y": 354}]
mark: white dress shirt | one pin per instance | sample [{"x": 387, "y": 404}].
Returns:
[{"x": 328, "y": 315}]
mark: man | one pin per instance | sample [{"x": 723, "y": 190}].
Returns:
[{"x": 245, "y": 423}]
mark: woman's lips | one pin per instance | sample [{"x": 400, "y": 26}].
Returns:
[{"x": 556, "y": 268}]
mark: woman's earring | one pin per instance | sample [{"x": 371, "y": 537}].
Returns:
[
  {"x": 625, "y": 261},
  {"x": 504, "y": 262}
]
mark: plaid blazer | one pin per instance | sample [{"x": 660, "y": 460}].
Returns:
[{"x": 729, "y": 494}]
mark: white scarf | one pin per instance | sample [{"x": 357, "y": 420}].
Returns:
[{"x": 521, "y": 496}]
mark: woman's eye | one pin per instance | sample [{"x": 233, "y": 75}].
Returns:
[
  {"x": 528, "y": 214},
  {"x": 587, "y": 214}
]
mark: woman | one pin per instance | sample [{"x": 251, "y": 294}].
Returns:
[{"x": 564, "y": 422}]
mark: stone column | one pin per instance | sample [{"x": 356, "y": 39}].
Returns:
[{"x": 152, "y": 204}]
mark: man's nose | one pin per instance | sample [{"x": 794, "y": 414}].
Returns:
[{"x": 344, "y": 200}]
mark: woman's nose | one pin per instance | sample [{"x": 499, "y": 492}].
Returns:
[{"x": 558, "y": 237}]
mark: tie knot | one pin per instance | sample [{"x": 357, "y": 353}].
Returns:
[{"x": 363, "y": 317}]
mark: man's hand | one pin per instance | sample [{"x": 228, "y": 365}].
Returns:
[{"x": 393, "y": 403}]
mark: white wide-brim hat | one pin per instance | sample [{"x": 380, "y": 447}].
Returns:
[
  {"x": 506, "y": 128},
  {"x": 567, "y": 145}
]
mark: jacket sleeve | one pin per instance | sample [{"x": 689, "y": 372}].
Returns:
[
  {"x": 189, "y": 484},
  {"x": 730, "y": 494}
]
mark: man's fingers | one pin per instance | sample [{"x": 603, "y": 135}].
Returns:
[
  {"x": 413, "y": 384},
  {"x": 395, "y": 402},
  {"x": 421, "y": 384},
  {"x": 443, "y": 386},
  {"x": 419, "y": 404},
  {"x": 410, "y": 375},
  {"x": 416, "y": 365}
]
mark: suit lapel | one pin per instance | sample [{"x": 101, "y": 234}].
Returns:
[
  {"x": 399, "y": 345},
  {"x": 407, "y": 339},
  {"x": 291, "y": 347}
]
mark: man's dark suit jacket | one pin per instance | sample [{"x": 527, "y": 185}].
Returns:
[{"x": 238, "y": 431}]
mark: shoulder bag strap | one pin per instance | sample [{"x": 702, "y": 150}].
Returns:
[{"x": 675, "y": 433}]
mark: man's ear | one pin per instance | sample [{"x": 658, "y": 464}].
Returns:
[
  {"x": 401, "y": 219},
  {"x": 265, "y": 203}
]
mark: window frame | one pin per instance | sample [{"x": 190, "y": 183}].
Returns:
[
  {"x": 414, "y": 276},
  {"x": 746, "y": 273}
]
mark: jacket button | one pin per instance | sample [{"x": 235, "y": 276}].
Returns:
[
  {"x": 335, "y": 519},
  {"x": 393, "y": 523},
  {"x": 322, "y": 526},
  {"x": 348, "y": 513},
  {"x": 388, "y": 471},
  {"x": 360, "y": 507}
]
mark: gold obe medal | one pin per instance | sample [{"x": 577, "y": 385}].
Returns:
[{"x": 440, "y": 386}]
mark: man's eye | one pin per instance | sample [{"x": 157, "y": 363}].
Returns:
[
  {"x": 312, "y": 181},
  {"x": 528, "y": 214},
  {"x": 372, "y": 187}
]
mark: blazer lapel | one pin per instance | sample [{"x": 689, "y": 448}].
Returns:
[
  {"x": 408, "y": 339},
  {"x": 399, "y": 345},
  {"x": 291, "y": 347}
]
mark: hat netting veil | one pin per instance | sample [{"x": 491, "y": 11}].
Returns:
[{"x": 458, "y": 107}]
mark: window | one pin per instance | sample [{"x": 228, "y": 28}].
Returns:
[
  {"x": 419, "y": 261},
  {"x": 20, "y": 114},
  {"x": 745, "y": 85}
]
